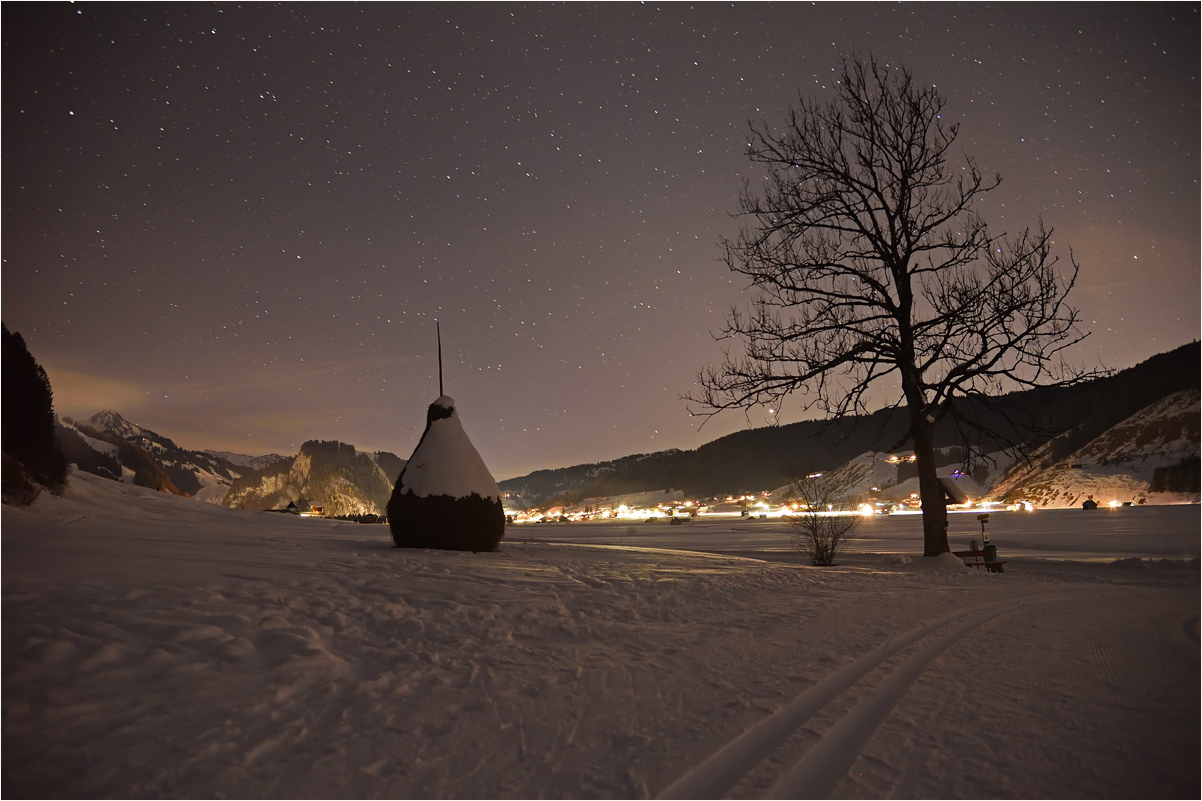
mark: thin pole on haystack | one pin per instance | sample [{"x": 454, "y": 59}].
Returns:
[{"x": 438, "y": 333}]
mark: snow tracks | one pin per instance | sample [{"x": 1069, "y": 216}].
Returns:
[{"x": 818, "y": 772}]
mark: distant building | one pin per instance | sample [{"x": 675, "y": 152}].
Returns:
[{"x": 302, "y": 508}]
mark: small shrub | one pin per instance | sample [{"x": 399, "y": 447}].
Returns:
[{"x": 822, "y": 529}]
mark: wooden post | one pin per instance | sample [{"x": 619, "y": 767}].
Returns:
[{"x": 438, "y": 333}]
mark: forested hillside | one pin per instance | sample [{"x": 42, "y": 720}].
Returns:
[
  {"x": 541, "y": 485},
  {"x": 764, "y": 458}
]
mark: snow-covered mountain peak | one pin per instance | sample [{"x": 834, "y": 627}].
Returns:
[{"x": 113, "y": 423}]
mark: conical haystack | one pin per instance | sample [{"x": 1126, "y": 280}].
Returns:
[{"x": 446, "y": 497}]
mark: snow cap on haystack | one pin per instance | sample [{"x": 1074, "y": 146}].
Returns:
[
  {"x": 446, "y": 462},
  {"x": 446, "y": 497}
]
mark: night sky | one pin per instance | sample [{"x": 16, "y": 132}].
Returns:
[{"x": 237, "y": 225}]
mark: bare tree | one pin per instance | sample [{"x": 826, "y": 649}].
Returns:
[
  {"x": 872, "y": 268},
  {"x": 822, "y": 527}
]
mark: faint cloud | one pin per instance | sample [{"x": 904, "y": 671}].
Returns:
[
  {"x": 260, "y": 377},
  {"x": 83, "y": 394},
  {"x": 252, "y": 434},
  {"x": 279, "y": 424}
]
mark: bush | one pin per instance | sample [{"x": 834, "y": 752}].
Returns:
[{"x": 822, "y": 529}]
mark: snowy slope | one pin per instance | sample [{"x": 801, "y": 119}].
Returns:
[
  {"x": 860, "y": 474},
  {"x": 99, "y": 445},
  {"x": 874, "y": 476},
  {"x": 202, "y": 475},
  {"x": 158, "y": 647},
  {"x": 1117, "y": 465},
  {"x": 640, "y": 499}
]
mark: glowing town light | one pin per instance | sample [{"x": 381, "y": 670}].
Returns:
[
  {"x": 1114, "y": 504},
  {"x": 866, "y": 509}
]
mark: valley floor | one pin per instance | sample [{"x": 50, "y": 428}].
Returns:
[{"x": 155, "y": 646}]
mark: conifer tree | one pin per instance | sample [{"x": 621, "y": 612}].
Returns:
[{"x": 28, "y": 414}]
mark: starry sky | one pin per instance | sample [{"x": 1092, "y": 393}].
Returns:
[{"x": 238, "y": 225}]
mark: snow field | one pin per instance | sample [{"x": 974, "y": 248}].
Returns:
[
  {"x": 155, "y": 646},
  {"x": 1102, "y": 534},
  {"x": 819, "y": 772}
]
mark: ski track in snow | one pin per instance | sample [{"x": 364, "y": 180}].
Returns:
[
  {"x": 820, "y": 771},
  {"x": 154, "y": 646}
]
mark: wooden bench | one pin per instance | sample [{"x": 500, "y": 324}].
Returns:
[{"x": 975, "y": 558}]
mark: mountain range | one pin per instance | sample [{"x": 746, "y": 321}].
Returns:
[
  {"x": 329, "y": 474},
  {"x": 1062, "y": 418},
  {"x": 543, "y": 486},
  {"x": 156, "y": 460},
  {"x": 1151, "y": 457},
  {"x": 1104, "y": 428}
]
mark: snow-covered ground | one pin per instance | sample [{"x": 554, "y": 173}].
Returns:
[
  {"x": 1102, "y": 534},
  {"x": 155, "y": 646},
  {"x": 213, "y": 487}
]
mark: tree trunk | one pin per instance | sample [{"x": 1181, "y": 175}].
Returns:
[{"x": 930, "y": 491}]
